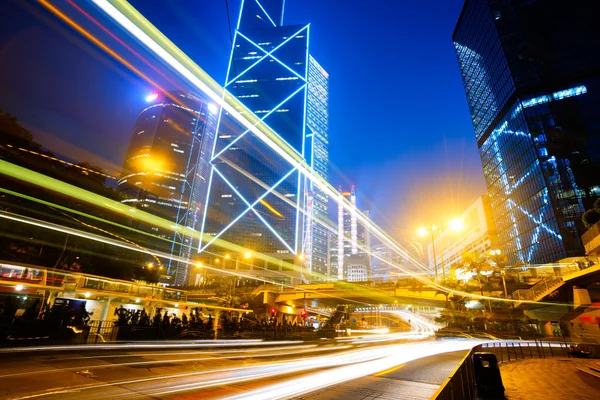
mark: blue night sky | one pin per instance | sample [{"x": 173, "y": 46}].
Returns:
[{"x": 399, "y": 124}]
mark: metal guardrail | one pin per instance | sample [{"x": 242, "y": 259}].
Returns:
[
  {"x": 538, "y": 290},
  {"x": 14, "y": 273},
  {"x": 461, "y": 382}
]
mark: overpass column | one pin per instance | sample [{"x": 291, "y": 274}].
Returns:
[
  {"x": 581, "y": 297},
  {"x": 216, "y": 323},
  {"x": 104, "y": 315}
]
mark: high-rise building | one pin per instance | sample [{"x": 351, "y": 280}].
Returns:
[
  {"x": 532, "y": 80},
  {"x": 317, "y": 119},
  {"x": 347, "y": 235},
  {"x": 381, "y": 262},
  {"x": 257, "y": 199},
  {"x": 167, "y": 157},
  {"x": 353, "y": 240},
  {"x": 478, "y": 238}
]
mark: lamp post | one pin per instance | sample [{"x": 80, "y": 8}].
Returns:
[
  {"x": 496, "y": 257},
  {"x": 423, "y": 232},
  {"x": 456, "y": 225}
]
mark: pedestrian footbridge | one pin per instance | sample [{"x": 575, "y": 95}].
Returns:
[{"x": 331, "y": 294}]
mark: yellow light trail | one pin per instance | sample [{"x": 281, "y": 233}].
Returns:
[
  {"x": 97, "y": 42},
  {"x": 270, "y": 208},
  {"x": 132, "y": 21}
]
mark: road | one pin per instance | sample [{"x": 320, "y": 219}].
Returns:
[{"x": 240, "y": 370}]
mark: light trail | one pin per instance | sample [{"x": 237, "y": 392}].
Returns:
[
  {"x": 114, "y": 242},
  {"x": 394, "y": 356},
  {"x": 239, "y": 354},
  {"x": 133, "y": 22},
  {"x": 138, "y": 26},
  {"x": 196, "y": 344}
]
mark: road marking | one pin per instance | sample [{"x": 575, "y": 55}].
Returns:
[{"x": 387, "y": 371}]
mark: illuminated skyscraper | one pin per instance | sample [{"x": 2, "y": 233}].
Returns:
[
  {"x": 353, "y": 240},
  {"x": 167, "y": 154},
  {"x": 256, "y": 197},
  {"x": 317, "y": 126},
  {"x": 531, "y": 76}
]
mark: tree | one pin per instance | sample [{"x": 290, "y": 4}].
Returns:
[
  {"x": 590, "y": 217},
  {"x": 476, "y": 265},
  {"x": 597, "y": 205}
]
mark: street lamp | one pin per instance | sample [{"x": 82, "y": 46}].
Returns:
[
  {"x": 247, "y": 255},
  {"x": 424, "y": 232},
  {"x": 496, "y": 257},
  {"x": 455, "y": 225}
]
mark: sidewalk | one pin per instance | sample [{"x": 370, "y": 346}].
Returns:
[{"x": 550, "y": 378}]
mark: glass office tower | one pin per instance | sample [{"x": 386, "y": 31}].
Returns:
[
  {"x": 257, "y": 199},
  {"x": 317, "y": 128},
  {"x": 532, "y": 80},
  {"x": 168, "y": 153}
]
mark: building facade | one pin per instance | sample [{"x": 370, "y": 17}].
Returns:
[
  {"x": 167, "y": 157},
  {"x": 532, "y": 83},
  {"x": 353, "y": 239},
  {"x": 257, "y": 199},
  {"x": 382, "y": 262},
  {"x": 316, "y": 215},
  {"x": 478, "y": 238}
]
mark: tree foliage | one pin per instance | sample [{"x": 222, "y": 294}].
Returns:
[{"x": 590, "y": 217}]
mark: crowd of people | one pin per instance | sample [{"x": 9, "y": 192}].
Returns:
[{"x": 163, "y": 319}]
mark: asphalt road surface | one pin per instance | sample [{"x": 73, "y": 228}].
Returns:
[{"x": 400, "y": 365}]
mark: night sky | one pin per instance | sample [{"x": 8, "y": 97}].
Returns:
[{"x": 399, "y": 123}]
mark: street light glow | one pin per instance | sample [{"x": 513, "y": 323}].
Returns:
[
  {"x": 422, "y": 231},
  {"x": 19, "y": 287},
  {"x": 227, "y": 256},
  {"x": 152, "y": 97},
  {"x": 457, "y": 225},
  {"x": 247, "y": 255}
]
